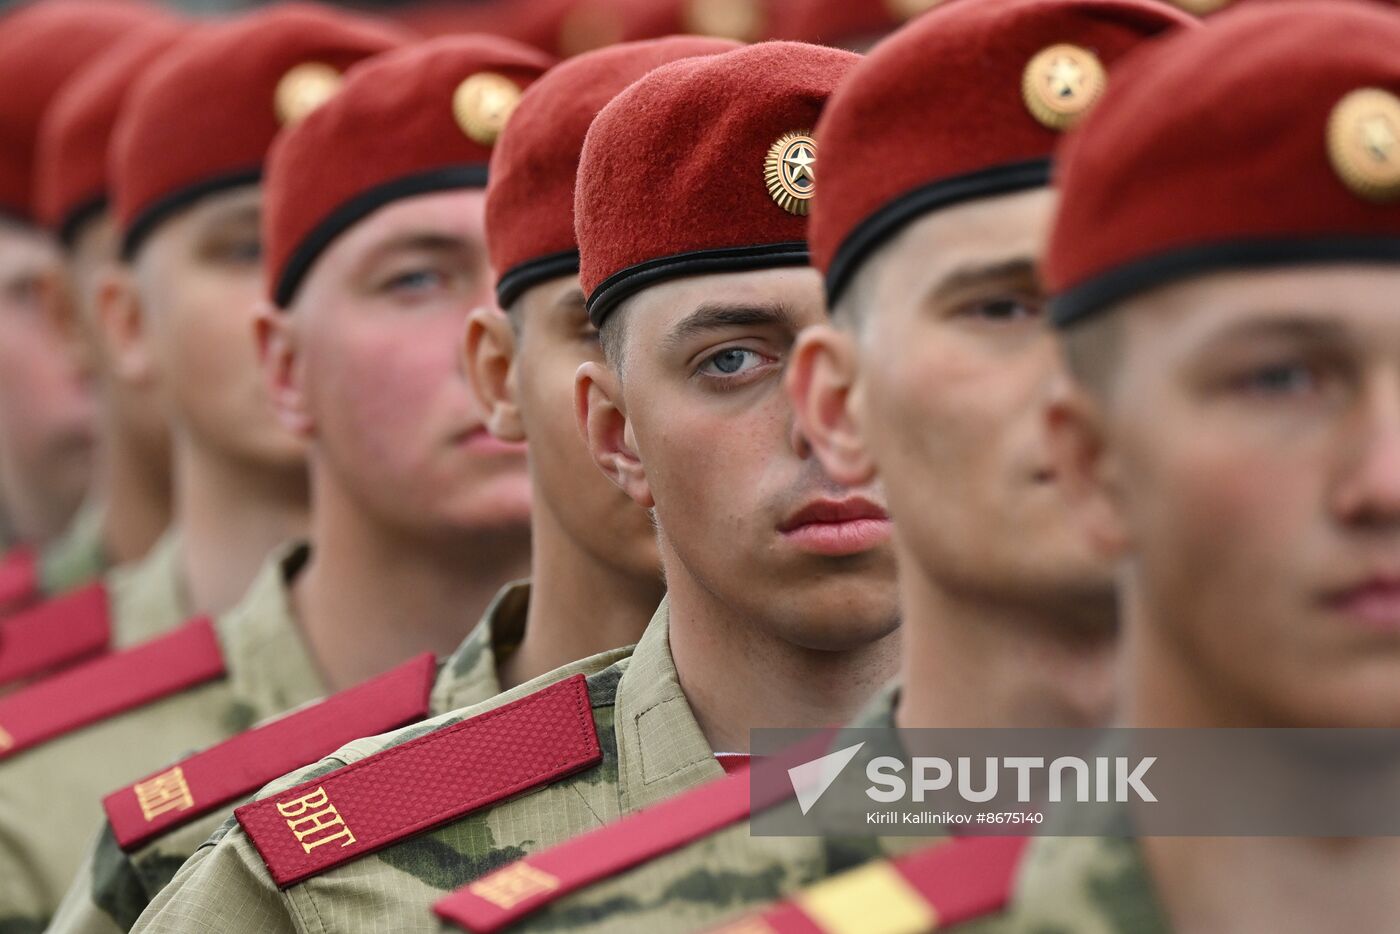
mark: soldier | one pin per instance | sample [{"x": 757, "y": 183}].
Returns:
[
  {"x": 780, "y": 605},
  {"x": 934, "y": 202},
  {"x": 596, "y": 579},
  {"x": 1232, "y": 435},
  {"x": 187, "y": 153},
  {"x": 45, "y": 408},
  {"x": 128, "y": 505}
]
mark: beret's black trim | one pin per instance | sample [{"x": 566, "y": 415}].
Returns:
[
  {"x": 894, "y": 215},
  {"x": 1097, "y": 294},
  {"x": 74, "y": 220},
  {"x": 159, "y": 210},
  {"x": 532, "y": 272},
  {"x": 365, "y": 203},
  {"x": 626, "y": 282}
]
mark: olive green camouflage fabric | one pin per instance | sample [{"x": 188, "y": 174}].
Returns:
[
  {"x": 652, "y": 748},
  {"x": 50, "y": 796},
  {"x": 1086, "y": 885},
  {"x": 114, "y": 887},
  {"x": 77, "y": 556},
  {"x": 147, "y": 597},
  {"x": 715, "y": 877}
]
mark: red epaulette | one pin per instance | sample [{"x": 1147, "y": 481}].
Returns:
[
  {"x": 98, "y": 689},
  {"x": 505, "y": 896},
  {"x": 55, "y": 634},
  {"x": 946, "y": 884},
  {"x": 200, "y": 783},
  {"x": 19, "y": 579},
  {"x": 424, "y": 782}
]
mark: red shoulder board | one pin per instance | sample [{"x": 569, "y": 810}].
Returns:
[
  {"x": 505, "y": 896},
  {"x": 424, "y": 782},
  {"x": 509, "y": 894},
  {"x": 944, "y": 885},
  {"x": 109, "y": 685},
  {"x": 55, "y": 634},
  {"x": 199, "y": 784},
  {"x": 19, "y": 579}
]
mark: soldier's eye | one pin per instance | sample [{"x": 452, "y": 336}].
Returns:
[
  {"x": 1281, "y": 379},
  {"x": 1006, "y": 308},
  {"x": 731, "y": 361}
]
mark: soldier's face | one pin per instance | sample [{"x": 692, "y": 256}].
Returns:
[
  {"x": 744, "y": 508},
  {"x": 555, "y": 339},
  {"x": 199, "y": 278},
  {"x": 954, "y": 362},
  {"x": 378, "y": 323},
  {"x": 46, "y": 409},
  {"x": 1242, "y": 458}
]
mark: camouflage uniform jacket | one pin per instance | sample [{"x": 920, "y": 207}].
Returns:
[
  {"x": 50, "y": 794},
  {"x": 719, "y": 875},
  {"x": 651, "y": 747},
  {"x": 1086, "y": 885},
  {"x": 77, "y": 556},
  {"x": 114, "y": 886}
]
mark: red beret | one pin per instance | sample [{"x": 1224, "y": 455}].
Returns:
[
  {"x": 1271, "y": 136},
  {"x": 704, "y": 165},
  {"x": 41, "y": 46},
  {"x": 965, "y": 102},
  {"x": 563, "y": 27},
  {"x": 530, "y": 200},
  {"x": 71, "y": 182},
  {"x": 203, "y": 117},
  {"x": 420, "y": 119}
]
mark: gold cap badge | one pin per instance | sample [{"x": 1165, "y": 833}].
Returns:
[
  {"x": 740, "y": 20},
  {"x": 1201, "y": 7},
  {"x": 1060, "y": 83},
  {"x": 1363, "y": 142},
  {"x": 483, "y": 103},
  {"x": 791, "y": 171},
  {"x": 908, "y": 9},
  {"x": 303, "y": 89}
]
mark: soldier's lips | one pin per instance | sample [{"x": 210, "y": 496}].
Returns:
[
  {"x": 837, "y": 527},
  {"x": 1372, "y": 604}
]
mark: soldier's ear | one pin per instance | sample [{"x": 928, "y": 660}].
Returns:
[
  {"x": 1087, "y": 472},
  {"x": 277, "y": 338},
  {"x": 602, "y": 418},
  {"x": 822, "y": 382},
  {"x": 122, "y": 327},
  {"x": 488, "y": 364}
]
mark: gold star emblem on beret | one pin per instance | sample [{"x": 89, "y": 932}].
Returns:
[
  {"x": 740, "y": 20},
  {"x": 483, "y": 103},
  {"x": 908, "y": 9},
  {"x": 1201, "y": 7},
  {"x": 1363, "y": 143},
  {"x": 302, "y": 89},
  {"x": 790, "y": 171},
  {"x": 1060, "y": 83}
]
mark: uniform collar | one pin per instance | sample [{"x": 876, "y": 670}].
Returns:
[
  {"x": 78, "y": 555},
  {"x": 269, "y": 666},
  {"x": 148, "y": 596},
  {"x": 470, "y": 674},
  {"x": 660, "y": 747}
]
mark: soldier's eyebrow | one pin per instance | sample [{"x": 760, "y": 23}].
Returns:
[
  {"x": 719, "y": 316},
  {"x": 570, "y": 300},
  {"x": 1293, "y": 325},
  {"x": 972, "y": 274},
  {"x": 416, "y": 240}
]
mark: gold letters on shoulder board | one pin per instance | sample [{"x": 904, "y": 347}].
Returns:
[
  {"x": 303, "y": 89},
  {"x": 1363, "y": 142},
  {"x": 791, "y": 171},
  {"x": 483, "y": 103},
  {"x": 1060, "y": 83}
]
